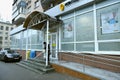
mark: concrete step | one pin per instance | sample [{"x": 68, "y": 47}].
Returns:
[
  {"x": 37, "y": 65},
  {"x": 38, "y": 60},
  {"x": 30, "y": 68},
  {"x": 40, "y": 68}
]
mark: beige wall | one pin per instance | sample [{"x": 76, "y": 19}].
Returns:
[
  {"x": 32, "y": 4},
  {"x": 5, "y": 34}
]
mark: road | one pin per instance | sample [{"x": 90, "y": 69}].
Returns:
[{"x": 11, "y": 71}]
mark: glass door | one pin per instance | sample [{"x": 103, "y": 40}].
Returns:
[{"x": 53, "y": 45}]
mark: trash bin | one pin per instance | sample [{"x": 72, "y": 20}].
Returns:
[
  {"x": 28, "y": 54},
  {"x": 32, "y": 54}
]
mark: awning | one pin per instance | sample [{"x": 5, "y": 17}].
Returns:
[{"x": 36, "y": 20}]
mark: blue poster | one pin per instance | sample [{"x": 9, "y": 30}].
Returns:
[{"x": 109, "y": 21}]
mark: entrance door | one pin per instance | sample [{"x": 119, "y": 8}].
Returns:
[{"x": 53, "y": 45}]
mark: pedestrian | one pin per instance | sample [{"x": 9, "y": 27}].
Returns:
[{"x": 48, "y": 51}]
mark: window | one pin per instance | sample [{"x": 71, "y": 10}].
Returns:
[
  {"x": 85, "y": 27},
  {"x": 22, "y": 10},
  {"x": 37, "y": 3},
  {"x": 29, "y": 9},
  {"x": 6, "y": 38},
  {"x": 11, "y": 28},
  {"x": 67, "y": 30},
  {"x": 29, "y": 2},
  {"x": 108, "y": 25},
  {"x": 1, "y": 38},
  {"x": 1, "y": 33},
  {"x": 85, "y": 32},
  {"x": 108, "y": 20},
  {"x": 6, "y": 33},
  {"x": 67, "y": 47},
  {"x": 1, "y": 27},
  {"x": 109, "y": 46},
  {"x": 7, "y": 28}
]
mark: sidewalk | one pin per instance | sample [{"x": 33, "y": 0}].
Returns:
[
  {"x": 97, "y": 72},
  {"x": 11, "y": 71}
]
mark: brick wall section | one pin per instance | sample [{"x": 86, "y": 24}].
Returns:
[{"x": 107, "y": 62}]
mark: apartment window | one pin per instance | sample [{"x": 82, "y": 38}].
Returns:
[
  {"x": 10, "y": 38},
  {"x": 7, "y": 28},
  {"x": 6, "y": 33},
  {"x": 1, "y": 38},
  {"x": 37, "y": 3},
  {"x": 11, "y": 28},
  {"x": 6, "y": 38},
  {"x": 29, "y": 2},
  {"x": 6, "y": 43},
  {"x": 22, "y": 10},
  {"x": 0, "y": 43},
  {"x": 29, "y": 9},
  {"x": 1, "y": 33},
  {"x": 1, "y": 27}
]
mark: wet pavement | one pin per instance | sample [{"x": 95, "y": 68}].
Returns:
[{"x": 11, "y": 71}]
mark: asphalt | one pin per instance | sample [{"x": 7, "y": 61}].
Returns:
[{"x": 11, "y": 71}]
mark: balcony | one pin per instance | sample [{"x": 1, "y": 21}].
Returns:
[
  {"x": 18, "y": 15},
  {"x": 50, "y": 3},
  {"x": 19, "y": 19}
]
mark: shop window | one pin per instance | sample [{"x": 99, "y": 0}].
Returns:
[
  {"x": 109, "y": 46},
  {"x": 85, "y": 27},
  {"x": 67, "y": 47},
  {"x": 68, "y": 30},
  {"x": 36, "y": 39},
  {"x": 108, "y": 20},
  {"x": 108, "y": 25},
  {"x": 85, "y": 47}
]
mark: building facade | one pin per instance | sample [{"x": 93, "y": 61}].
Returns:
[
  {"x": 5, "y": 39},
  {"x": 76, "y": 26}
]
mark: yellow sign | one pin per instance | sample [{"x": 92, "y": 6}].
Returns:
[
  {"x": 62, "y": 6},
  {"x": 53, "y": 44}
]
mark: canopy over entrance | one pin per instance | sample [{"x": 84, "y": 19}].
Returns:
[{"x": 36, "y": 20}]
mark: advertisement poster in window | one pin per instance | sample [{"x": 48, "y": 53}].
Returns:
[
  {"x": 109, "y": 22},
  {"x": 68, "y": 30}
]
